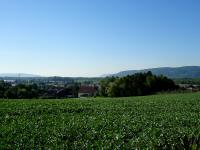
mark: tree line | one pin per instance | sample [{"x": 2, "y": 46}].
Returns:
[
  {"x": 135, "y": 85},
  {"x": 30, "y": 91}
]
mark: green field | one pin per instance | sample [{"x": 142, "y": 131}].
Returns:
[{"x": 153, "y": 122}]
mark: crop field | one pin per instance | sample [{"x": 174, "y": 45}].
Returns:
[{"x": 149, "y": 122}]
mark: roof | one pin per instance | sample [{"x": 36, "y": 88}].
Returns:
[{"x": 87, "y": 89}]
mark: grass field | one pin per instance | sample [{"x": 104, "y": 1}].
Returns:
[{"x": 153, "y": 122}]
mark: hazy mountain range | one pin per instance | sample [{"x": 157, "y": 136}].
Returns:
[
  {"x": 23, "y": 75},
  {"x": 171, "y": 72}
]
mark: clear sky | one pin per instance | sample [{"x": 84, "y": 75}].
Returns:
[{"x": 95, "y": 37}]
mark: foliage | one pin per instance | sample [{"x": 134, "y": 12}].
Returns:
[
  {"x": 3, "y": 87},
  {"x": 30, "y": 91},
  {"x": 105, "y": 84},
  {"x": 135, "y": 85},
  {"x": 22, "y": 91},
  {"x": 148, "y": 122}
]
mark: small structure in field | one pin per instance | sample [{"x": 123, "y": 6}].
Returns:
[
  {"x": 87, "y": 91},
  {"x": 190, "y": 87}
]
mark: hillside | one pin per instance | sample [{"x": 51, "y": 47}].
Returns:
[{"x": 176, "y": 72}]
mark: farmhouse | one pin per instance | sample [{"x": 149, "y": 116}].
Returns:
[
  {"x": 190, "y": 87},
  {"x": 87, "y": 91}
]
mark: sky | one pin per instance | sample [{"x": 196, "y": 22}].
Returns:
[{"x": 90, "y": 38}]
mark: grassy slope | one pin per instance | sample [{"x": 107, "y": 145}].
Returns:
[{"x": 162, "y": 121}]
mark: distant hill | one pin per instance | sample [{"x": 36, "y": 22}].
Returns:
[
  {"x": 175, "y": 72},
  {"x": 23, "y": 75}
]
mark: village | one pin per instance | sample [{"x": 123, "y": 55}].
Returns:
[{"x": 53, "y": 87}]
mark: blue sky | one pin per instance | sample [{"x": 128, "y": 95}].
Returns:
[{"x": 95, "y": 37}]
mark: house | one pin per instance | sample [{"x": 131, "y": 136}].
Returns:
[
  {"x": 87, "y": 91},
  {"x": 59, "y": 93},
  {"x": 11, "y": 82},
  {"x": 190, "y": 87}
]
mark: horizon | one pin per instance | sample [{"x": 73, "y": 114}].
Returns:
[
  {"x": 93, "y": 38},
  {"x": 99, "y": 76}
]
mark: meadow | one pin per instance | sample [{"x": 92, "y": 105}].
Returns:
[{"x": 170, "y": 121}]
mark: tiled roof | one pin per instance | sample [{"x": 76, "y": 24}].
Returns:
[{"x": 87, "y": 89}]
